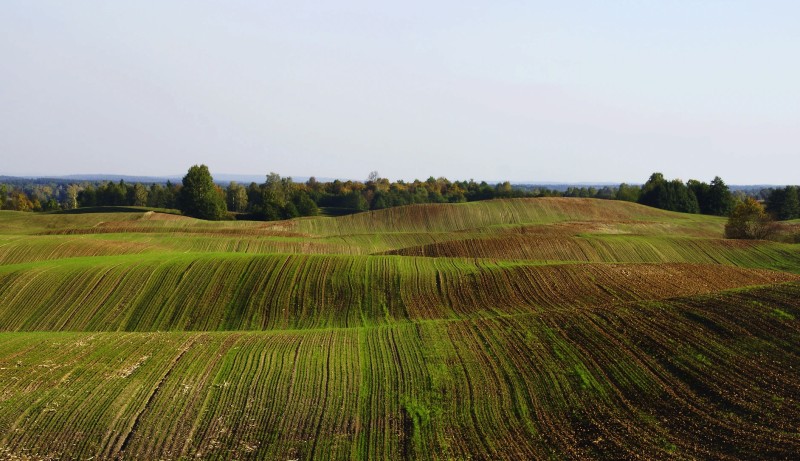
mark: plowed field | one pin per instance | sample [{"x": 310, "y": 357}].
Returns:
[{"x": 509, "y": 329}]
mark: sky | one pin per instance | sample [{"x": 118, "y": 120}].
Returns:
[{"x": 526, "y": 91}]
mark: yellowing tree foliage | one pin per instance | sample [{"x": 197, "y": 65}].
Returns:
[{"x": 748, "y": 220}]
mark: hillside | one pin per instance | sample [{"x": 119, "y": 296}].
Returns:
[{"x": 509, "y": 329}]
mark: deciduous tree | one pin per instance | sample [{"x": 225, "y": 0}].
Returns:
[
  {"x": 236, "y": 196},
  {"x": 748, "y": 220},
  {"x": 71, "y": 199},
  {"x": 199, "y": 197},
  {"x": 139, "y": 195}
]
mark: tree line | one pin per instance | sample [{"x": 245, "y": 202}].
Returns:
[
  {"x": 691, "y": 197},
  {"x": 282, "y": 198},
  {"x": 784, "y": 204}
]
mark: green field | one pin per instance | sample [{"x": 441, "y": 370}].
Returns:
[{"x": 509, "y": 329}]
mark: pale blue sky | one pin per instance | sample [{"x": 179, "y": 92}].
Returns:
[{"x": 495, "y": 90}]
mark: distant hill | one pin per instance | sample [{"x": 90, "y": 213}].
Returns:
[
  {"x": 218, "y": 178},
  {"x": 87, "y": 177},
  {"x": 225, "y": 178}
]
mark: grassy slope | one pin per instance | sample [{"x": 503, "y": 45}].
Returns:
[{"x": 524, "y": 353}]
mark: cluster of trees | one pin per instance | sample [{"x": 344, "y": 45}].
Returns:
[
  {"x": 281, "y": 198},
  {"x": 276, "y": 198},
  {"x": 37, "y": 197},
  {"x": 606, "y": 192},
  {"x": 126, "y": 194},
  {"x": 692, "y": 197},
  {"x": 784, "y": 204},
  {"x": 716, "y": 198},
  {"x": 31, "y": 196}
]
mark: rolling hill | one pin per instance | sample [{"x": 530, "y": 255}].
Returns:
[{"x": 509, "y": 329}]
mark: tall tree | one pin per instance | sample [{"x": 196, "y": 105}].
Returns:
[
  {"x": 155, "y": 196},
  {"x": 784, "y": 203},
  {"x": 719, "y": 200},
  {"x": 276, "y": 190},
  {"x": 3, "y": 196},
  {"x": 199, "y": 196},
  {"x": 71, "y": 199},
  {"x": 652, "y": 190},
  {"x": 701, "y": 191},
  {"x": 791, "y": 207},
  {"x": 236, "y": 196},
  {"x": 139, "y": 195}
]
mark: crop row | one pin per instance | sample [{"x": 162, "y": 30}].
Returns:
[
  {"x": 552, "y": 245},
  {"x": 14, "y": 222},
  {"x": 26, "y": 249},
  {"x": 616, "y": 248},
  {"x": 243, "y": 292},
  {"x": 23, "y": 249},
  {"x": 715, "y": 376},
  {"x": 19, "y": 249},
  {"x": 459, "y": 217}
]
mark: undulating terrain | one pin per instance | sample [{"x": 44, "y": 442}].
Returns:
[{"x": 510, "y": 329}]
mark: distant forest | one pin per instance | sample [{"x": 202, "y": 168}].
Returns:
[{"x": 281, "y": 198}]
